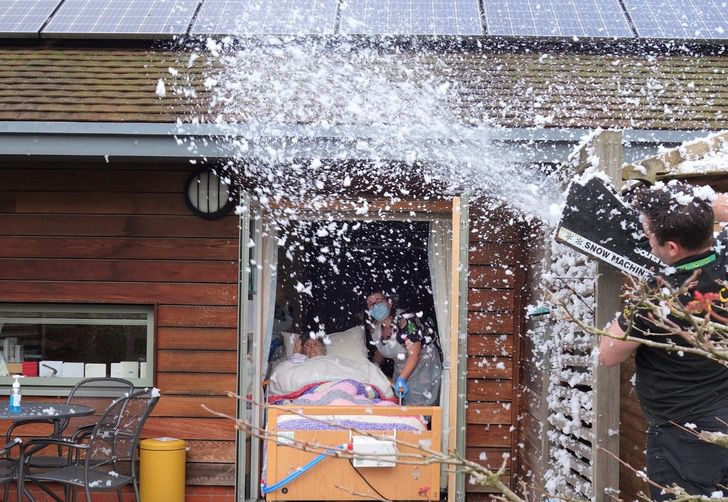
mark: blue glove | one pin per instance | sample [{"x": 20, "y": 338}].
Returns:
[{"x": 400, "y": 387}]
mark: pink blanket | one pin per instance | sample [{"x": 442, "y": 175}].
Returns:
[{"x": 335, "y": 393}]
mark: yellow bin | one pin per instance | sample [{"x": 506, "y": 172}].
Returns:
[{"x": 162, "y": 470}]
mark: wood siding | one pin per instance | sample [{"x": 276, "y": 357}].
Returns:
[
  {"x": 495, "y": 303},
  {"x": 121, "y": 234}
]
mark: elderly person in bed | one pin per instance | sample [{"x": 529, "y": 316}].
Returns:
[
  {"x": 307, "y": 348},
  {"x": 410, "y": 343}
]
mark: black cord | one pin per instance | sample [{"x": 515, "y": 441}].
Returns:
[{"x": 351, "y": 463}]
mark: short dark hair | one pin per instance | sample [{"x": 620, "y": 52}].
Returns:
[{"x": 677, "y": 214}]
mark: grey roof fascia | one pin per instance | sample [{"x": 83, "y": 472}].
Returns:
[{"x": 195, "y": 141}]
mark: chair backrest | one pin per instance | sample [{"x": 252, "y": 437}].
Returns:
[
  {"x": 97, "y": 393},
  {"x": 116, "y": 434}
]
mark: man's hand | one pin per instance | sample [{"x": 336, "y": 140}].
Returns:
[{"x": 298, "y": 346}]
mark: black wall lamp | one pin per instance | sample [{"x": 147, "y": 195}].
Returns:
[{"x": 207, "y": 195}]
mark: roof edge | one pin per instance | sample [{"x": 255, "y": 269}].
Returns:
[{"x": 172, "y": 141}]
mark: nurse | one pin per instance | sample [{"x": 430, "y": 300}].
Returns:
[{"x": 409, "y": 342}]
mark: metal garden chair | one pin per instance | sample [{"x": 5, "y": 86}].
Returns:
[
  {"x": 107, "y": 460},
  {"x": 8, "y": 468},
  {"x": 97, "y": 393}
]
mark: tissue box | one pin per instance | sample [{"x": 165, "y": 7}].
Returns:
[
  {"x": 30, "y": 368},
  {"x": 125, "y": 369},
  {"x": 95, "y": 370},
  {"x": 50, "y": 368},
  {"x": 74, "y": 370}
]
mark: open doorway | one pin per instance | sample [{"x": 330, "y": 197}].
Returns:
[{"x": 326, "y": 269}]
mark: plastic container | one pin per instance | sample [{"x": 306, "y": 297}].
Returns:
[
  {"x": 162, "y": 470},
  {"x": 15, "y": 396}
]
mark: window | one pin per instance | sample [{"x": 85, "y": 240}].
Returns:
[{"x": 57, "y": 345}]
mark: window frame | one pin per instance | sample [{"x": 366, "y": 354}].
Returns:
[{"x": 60, "y": 386}]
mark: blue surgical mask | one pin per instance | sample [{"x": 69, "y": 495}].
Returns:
[{"x": 380, "y": 311}]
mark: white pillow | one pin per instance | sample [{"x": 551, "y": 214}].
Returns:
[{"x": 350, "y": 344}]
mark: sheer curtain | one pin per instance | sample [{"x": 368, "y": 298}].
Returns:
[
  {"x": 268, "y": 284},
  {"x": 439, "y": 250}
]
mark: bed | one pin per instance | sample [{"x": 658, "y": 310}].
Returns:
[{"x": 320, "y": 401}]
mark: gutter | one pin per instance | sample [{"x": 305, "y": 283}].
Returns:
[{"x": 84, "y": 140}]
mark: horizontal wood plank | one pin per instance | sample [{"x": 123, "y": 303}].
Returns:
[
  {"x": 479, "y": 389},
  {"x": 479, "y": 322},
  {"x": 490, "y": 367},
  {"x": 198, "y": 361},
  {"x": 490, "y": 277},
  {"x": 194, "y": 316},
  {"x": 190, "y": 428},
  {"x": 127, "y": 292},
  {"x": 491, "y": 254},
  {"x": 490, "y": 458},
  {"x": 95, "y": 180},
  {"x": 34, "y": 202},
  {"x": 43, "y": 269},
  {"x": 192, "y": 406},
  {"x": 210, "y": 451},
  {"x": 197, "y": 338},
  {"x": 210, "y": 474},
  {"x": 490, "y": 345},
  {"x": 118, "y": 248},
  {"x": 103, "y": 225},
  {"x": 488, "y": 413},
  {"x": 197, "y": 384},
  {"x": 491, "y": 299},
  {"x": 488, "y": 435}
]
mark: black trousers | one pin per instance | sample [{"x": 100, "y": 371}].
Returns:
[{"x": 674, "y": 456}]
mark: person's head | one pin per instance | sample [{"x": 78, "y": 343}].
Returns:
[
  {"x": 313, "y": 347},
  {"x": 379, "y": 305},
  {"x": 677, "y": 221}
]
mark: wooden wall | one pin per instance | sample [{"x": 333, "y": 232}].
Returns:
[
  {"x": 495, "y": 316},
  {"x": 121, "y": 234}
]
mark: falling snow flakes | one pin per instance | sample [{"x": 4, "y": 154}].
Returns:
[{"x": 161, "y": 91}]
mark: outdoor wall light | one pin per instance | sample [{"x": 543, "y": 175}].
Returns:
[{"x": 207, "y": 195}]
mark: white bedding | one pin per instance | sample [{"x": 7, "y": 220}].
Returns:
[{"x": 288, "y": 376}]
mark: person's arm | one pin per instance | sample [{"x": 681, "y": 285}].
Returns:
[
  {"x": 720, "y": 207},
  {"x": 413, "y": 357},
  {"x": 613, "y": 352},
  {"x": 378, "y": 358}
]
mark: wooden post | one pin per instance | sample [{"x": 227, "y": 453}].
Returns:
[{"x": 607, "y": 146}]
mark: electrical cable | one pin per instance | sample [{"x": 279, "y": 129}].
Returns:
[{"x": 351, "y": 463}]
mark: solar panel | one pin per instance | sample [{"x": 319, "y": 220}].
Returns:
[
  {"x": 411, "y": 17},
  {"x": 556, "y": 18},
  {"x": 691, "y": 19},
  {"x": 24, "y": 17},
  {"x": 122, "y": 17},
  {"x": 266, "y": 17}
]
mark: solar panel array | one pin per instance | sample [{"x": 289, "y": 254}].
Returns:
[
  {"x": 556, "y": 18},
  {"x": 688, "y": 19},
  {"x": 651, "y": 19},
  {"x": 411, "y": 17},
  {"x": 260, "y": 17},
  {"x": 123, "y": 17},
  {"x": 25, "y": 17}
]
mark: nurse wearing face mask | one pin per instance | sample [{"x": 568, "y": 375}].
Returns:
[{"x": 409, "y": 342}]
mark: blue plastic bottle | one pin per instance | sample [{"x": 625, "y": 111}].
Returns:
[{"x": 15, "y": 396}]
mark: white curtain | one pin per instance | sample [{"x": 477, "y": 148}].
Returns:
[
  {"x": 439, "y": 250},
  {"x": 268, "y": 285}
]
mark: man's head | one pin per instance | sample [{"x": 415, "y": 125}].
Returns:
[
  {"x": 678, "y": 222},
  {"x": 313, "y": 347}
]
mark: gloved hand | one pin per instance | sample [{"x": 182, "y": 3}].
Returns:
[{"x": 400, "y": 387}]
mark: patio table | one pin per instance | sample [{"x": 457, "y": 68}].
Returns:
[{"x": 37, "y": 411}]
